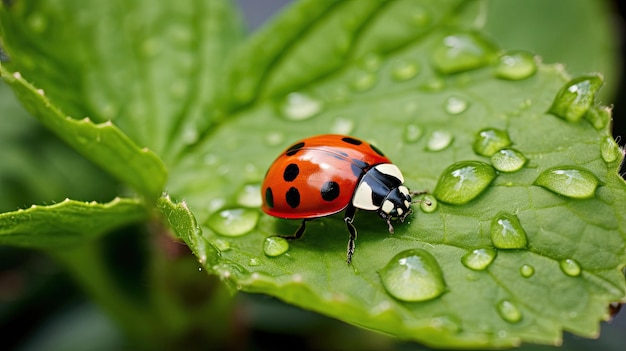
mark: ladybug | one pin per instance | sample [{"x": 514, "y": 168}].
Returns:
[{"x": 325, "y": 174}]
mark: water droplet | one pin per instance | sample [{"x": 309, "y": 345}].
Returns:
[
  {"x": 404, "y": 70},
  {"x": 37, "y": 22},
  {"x": 342, "y": 126},
  {"x": 527, "y": 270},
  {"x": 570, "y": 181},
  {"x": 509, "y": 311},
  {"x": 456, "y": 105},
  {"x": 300, "y": 106},
  {"x": 222, "y": 245},
  {"x": 413, "y": 275},
  {"x": 363, "y": 81},
  {"x": 275, "y": 246},
  {"x": 428, "y": 203},
  {"x": 253, "y": 261},
  {"x": 434, "y": 84},
  {"x": 412, "y": 133},
  {"x": 609, "y": 150},
  {"x": 575, "y": 98},
  {"x": 274, "y": 138},
  {"x": 462, "y": 52},
  {"x": 599, "y": 117},
  {"x": 516, "y": 65},
  {"x": 507, "y": 232},
  {"x": 250, "y": 196},
  {"x": 371, "y": 62},
  {"x": 463, "y": 181},
  {"x": 478, "y": 259},
  {"x": 490, "y": 140},
  {"x": 233, "y": 221},
  {"x": 446, "y": 323},
  {"x": 190, "y": 136},
  {"x": 420, "y": 16},
  {"x": 211, "y": 159},
  {"x": 508, "y": 160},
  {"x": 151, "y": 47},
  {"x": 570, "y": 267},
  {"x": 439, "y": 140}
]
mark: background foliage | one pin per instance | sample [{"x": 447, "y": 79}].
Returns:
[{"x": 21, "y": 177}]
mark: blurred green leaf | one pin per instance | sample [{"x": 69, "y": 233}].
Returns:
[
  {"x": 152, "y": 70},
  {"x": 580, "y": 34},
  {"x": 67, "y": 223},
  {"x": 103, "y": 144}
]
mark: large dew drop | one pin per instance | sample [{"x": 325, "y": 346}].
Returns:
[
  {"x": 489, "y": 141},
  {"x": 478, "y": 259},
  {"x": 413, "y": 275},
  {"x": 507, "y": 232},
  {"x": 299, "y": 106},
  {"x": 516, "y": 65},
  {"x": 462, "y": 52},
  {"x": 571, "y": 181},
  {"x": 575, "y": 98},
  {"x": 233, "y": 221},
  {"x": 463, "y": 181}
]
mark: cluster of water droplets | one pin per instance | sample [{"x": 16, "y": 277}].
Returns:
[{"x": 415, "y": 275}]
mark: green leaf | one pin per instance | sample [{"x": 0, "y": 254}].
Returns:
[
  {"x": 103, "y": 144},
  {"x": 376, "y": 73},
  {"x": 156, "y": 82},
  {"x": 520, "y": 260},
  {"x": 67, "y": 223}
]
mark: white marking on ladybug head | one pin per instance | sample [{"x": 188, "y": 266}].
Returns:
[
  {"x": 391, "y": 170},
  {"x": 387, "y": 206},
  {"x": 362, "y": 197}
]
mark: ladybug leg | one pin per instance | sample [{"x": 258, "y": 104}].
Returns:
[
  {"x": 298, "y": 234},
  {"x": 389, "y": 225},
  {"x": 349, "y": 217}
]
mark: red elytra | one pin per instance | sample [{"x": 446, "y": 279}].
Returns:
[
  {"x": 325, "y": 174},
  {"x": 317, "y": 176}
]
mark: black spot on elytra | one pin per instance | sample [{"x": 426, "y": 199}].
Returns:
[
  {"x": 330, "y": 190},
  {"x": 351, "y": 141},
  {"x": 377, "y": 150},
  {"x": 293, "y": 149},
  {"x": 269, "y": 197},
  {"x": 291, "y": 172},
  {"x": 293, "y": 197}
]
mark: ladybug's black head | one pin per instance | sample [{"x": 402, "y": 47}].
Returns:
[{"x": 397, "y": 204}]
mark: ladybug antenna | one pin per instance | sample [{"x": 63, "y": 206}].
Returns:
[{"x": 416, "y": 193}]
